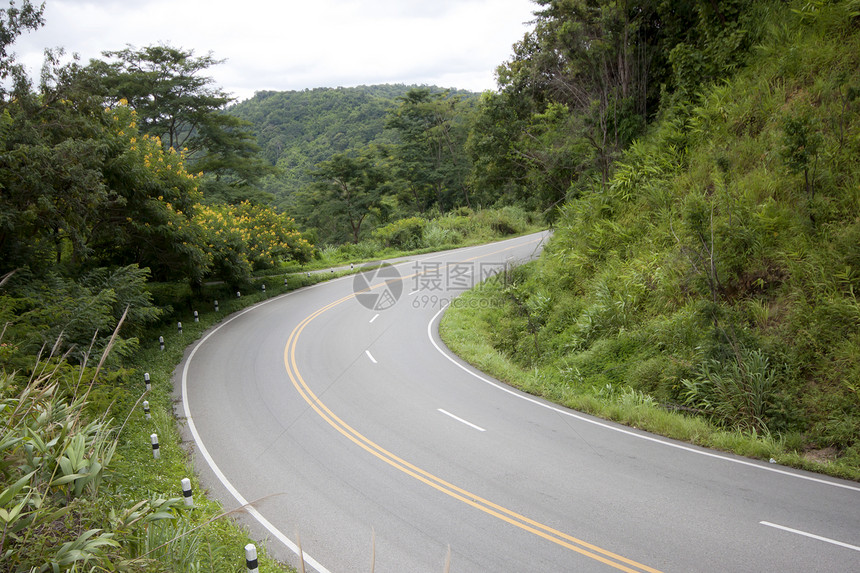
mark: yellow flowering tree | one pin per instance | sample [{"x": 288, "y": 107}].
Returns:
[
  {"x": 244, "y": 237},
  {"x": 225, "y": 246},
  {"x": 148, "y": 218},
  {"x": 271, "y": 236}
]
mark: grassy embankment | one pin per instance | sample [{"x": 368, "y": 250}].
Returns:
[{"x": 709, "y": 292}]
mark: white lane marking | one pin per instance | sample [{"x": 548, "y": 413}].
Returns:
[
  {"x": 374, "y": 317},
  {"x": 621, "y": 430},
  {"x": 369, "y": 355},
  {"x": 201, "y": 447},
  {"x": 811, "y": 535},
  {"x": 459, "y": 419}
]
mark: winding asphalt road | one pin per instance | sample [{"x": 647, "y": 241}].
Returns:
[{"x": 353, "y": 429}]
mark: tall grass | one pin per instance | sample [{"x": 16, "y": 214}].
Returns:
[{"x": 79, "y": 488}]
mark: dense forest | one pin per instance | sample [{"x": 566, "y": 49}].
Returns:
[{"x": 697, "y": 162}]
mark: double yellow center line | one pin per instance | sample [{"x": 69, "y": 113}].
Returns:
[{"x": 469, "y": 498}]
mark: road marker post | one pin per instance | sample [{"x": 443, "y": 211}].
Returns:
[
  {"x": 146, "y": 413},
  {"x": 251, "y": 558},
  {"x": 155, "y": 453},
  {"x": 186, "y": 492}
]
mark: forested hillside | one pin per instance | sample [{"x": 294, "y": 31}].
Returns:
[
  {"x": 712, "y": 268},
  {"x": 297, "y": 130},
  {"x": 381, "y": 134}
]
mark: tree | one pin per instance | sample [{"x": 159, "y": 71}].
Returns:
[
  {"x": 591, "y": 57},
  {"x": 177, "y": 104},
  {"x": 82, "y": 187},
  {"x": 348, "y": 189},
  {"x": 232, "y": 164},
  {"x": 800, "y": 148},
  {"x": 14, "y": 21},
  {"x": 611, "y": 62},
  {"x": 497, "y": 174},
  {"x": 430, "y": 157}
]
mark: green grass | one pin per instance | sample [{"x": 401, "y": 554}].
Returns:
[{"x": 469, "y": 327}]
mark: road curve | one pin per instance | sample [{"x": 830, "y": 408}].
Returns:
[{"x": 353, "y": 429}]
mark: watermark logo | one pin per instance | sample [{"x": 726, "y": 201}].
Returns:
[
  {"x": 434, "y": 276},
  {"x": 373, "y": 295}
]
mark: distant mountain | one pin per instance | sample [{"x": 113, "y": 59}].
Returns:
[{"x": 299, "y": 129}]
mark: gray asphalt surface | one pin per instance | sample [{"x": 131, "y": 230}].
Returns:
[{"x": 355, "y": 431}]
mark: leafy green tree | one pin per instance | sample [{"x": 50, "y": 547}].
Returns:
[
  {"x": 246, "y": 237},
  {"x": 164, "y": 86},
  {"x": 612, "y": 64},
  {"x": 232, "y": 166},
  {"x": 347, "y": 190},
  {"x": 175, "y": 102},
  {"x": 498, "y": 173},
  {"x": 591, "y": 57},
  {"x": 800, "y": 148},
  {"x": 429, "y": 157},
  {"x": 271, "y": 236},
  {"x": 152, "y": 198},
  {"x": 14, "y": 21},
  {"x": 82, "y": 187}
]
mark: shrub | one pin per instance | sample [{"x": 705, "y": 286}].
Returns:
[
  {"x": 402, "y": 234},
  {"x": 739, "y": 393}
]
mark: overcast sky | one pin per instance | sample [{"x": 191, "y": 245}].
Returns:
[{"x": 292, "y": 45}]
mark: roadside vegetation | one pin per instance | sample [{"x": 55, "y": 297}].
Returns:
[
  {"x": 459, "y": 228},
  {"x": 707, "y": 290},
  {"x": 81, "y": 486}
]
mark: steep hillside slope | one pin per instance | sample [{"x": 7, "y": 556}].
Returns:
[{"x": 717, "y": 272}]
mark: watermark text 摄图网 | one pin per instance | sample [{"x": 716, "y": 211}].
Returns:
[
  {"x": 432, "y": 276},
  {"x": 379, "y": 288}
]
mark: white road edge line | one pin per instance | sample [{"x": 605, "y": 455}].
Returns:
[
  {"x": 459, "y": 419},
  {"x": 620, "y": 429},
  {"x": 811, "y": 535},
  {"x": 252, "y": 511},
  {"x": 374, "y": 317},
  {"x": 369, "y": 355}
]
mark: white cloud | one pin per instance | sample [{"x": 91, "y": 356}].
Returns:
[{"x": 290, "y": 45}]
